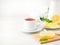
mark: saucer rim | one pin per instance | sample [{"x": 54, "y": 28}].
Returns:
[{"x": 38, "y": 29}]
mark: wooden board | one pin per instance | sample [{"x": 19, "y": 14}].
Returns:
[{"x": 37, "y": 37}]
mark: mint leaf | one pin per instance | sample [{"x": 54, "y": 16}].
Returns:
[
  {"x": 42, "y": 19},
  {"x": 43, "y": 39},
  {"x": 45, "y": 19}
]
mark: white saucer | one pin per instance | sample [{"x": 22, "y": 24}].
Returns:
[{"x": 35, "y": 30}]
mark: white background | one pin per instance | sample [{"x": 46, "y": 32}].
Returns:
[{"x": 22, "y": 7}]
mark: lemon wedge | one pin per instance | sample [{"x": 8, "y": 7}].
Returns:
[
  {"x": 52, "y": 25},
  {"x": 55, "y": 17},
  {"x": 58, "y": 22},
  {"x": 47, "y": 34}
]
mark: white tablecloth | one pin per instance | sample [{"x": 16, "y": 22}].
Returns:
[{"x": 10, "y": 33}]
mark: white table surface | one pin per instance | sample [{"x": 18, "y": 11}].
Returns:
[{"x": 10, "y": 33}]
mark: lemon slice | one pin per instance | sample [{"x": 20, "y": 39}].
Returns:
[
  {"x": 47, "y": 34},
  {"x": 55, "y": 17},
  {"x": 52, "y": 25},
  {"x": 58, "y": 22}
]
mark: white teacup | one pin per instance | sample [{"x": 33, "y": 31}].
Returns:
[{"x": 31, "y": 24}]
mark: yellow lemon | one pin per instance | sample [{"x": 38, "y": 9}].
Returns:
[
  {"x": 58, "y": 22},
  {"x": 51, "y": 25},
  {"x": 55, "y": 17},
  {"x": 47, "y": 34}
]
